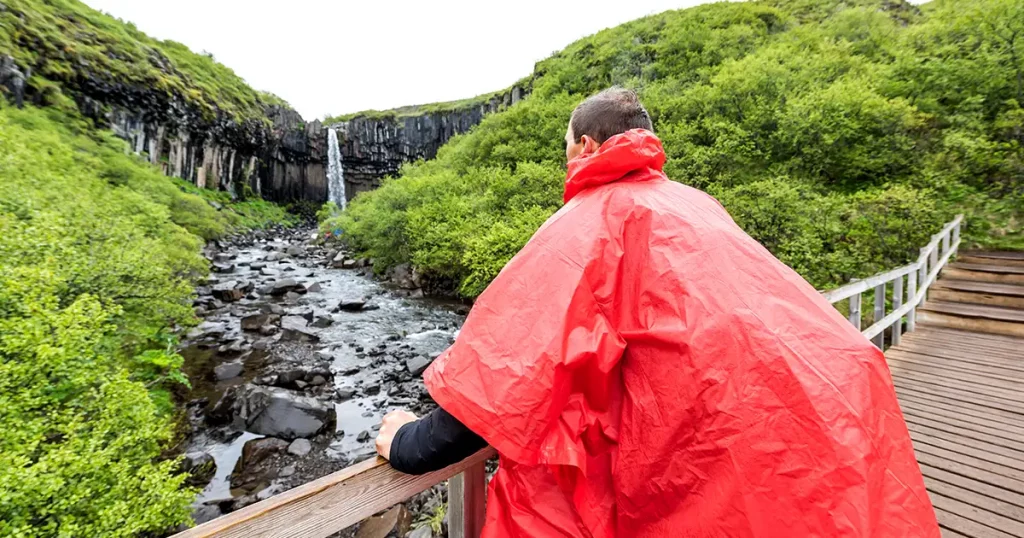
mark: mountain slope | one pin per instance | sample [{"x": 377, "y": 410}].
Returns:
[{"x": 840, "y": 134}]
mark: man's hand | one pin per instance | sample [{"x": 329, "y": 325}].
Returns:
[{"x": 392, "y": 422}]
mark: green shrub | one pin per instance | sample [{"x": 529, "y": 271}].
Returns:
[
  {"x": 840, "y": 134},
  {"x": 98, "y": 254}
]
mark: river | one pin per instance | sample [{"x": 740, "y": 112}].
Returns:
[{"x": 295, "y": 348}]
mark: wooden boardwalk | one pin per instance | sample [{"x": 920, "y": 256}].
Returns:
[{"x": 960, "y": 381}]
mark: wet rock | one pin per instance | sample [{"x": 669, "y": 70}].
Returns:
[
  {"x": 223, "y": 257},
  {"x": 301, "y": 384},
  {"x": 300, "y": 447},
  {"x": 318, "y": 380},
  {"x": 271, "y": 308},
  {"x": 295, "y": 251},
  {"x": 283, "y": 286},
  {"x": 276, "y": 412},
  {"x": 346, "y": 393},
  {"x": 404, "y": 276},
  {"x": 256, "y": 266},
  {"x": 257, "y": 451},
  {"x": 232, "y": 290},
  {"x": 352, "y": 305},
  {"x": 395, "y": 521},
  {"x": 292, "y": 296},
  {"x": 242, "y": 502},
  {"x": 294, "y": 328},
  {"x": 223, "y": 268},
  {"x": 323, "y": 322},
  {"x": 269, "y": 492},
  {"x": 209, "y": 329},
  {"x": 266, "y": 271},
  {"x": 418, "y": 364},
  {"x": 228, "y": 370},
  {"x": 200, "y": 466},
  {"x": 314, "y": 287},
  {"x": 338, "y": 260},
  {"x": 364, "y": 435},
  {"x": 206, "y": 512},
  {"x": 421, "y": 532},
  {"x": 287, "y": 471},
  {"x": 254, "y": 322},
  {"x": 267, "y": 330},
  {"x": 276, "y": 256},
  {"x": 348, "y": 264},
  {"x": 372, "y": 388}
]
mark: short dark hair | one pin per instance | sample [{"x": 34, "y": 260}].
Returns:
[{"x": 611, "y": 112}]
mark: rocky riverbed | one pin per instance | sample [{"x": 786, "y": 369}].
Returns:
[{"x": 299, "y": 355}]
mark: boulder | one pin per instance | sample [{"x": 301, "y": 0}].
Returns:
[
  {"x": 200, "y": 466},
  {"x": 223, "y": 268},
  {"x": 256, "y": 266},
  {"x": 254, "y": 322},
  {"x": 352, "y": 305},
  {"x": 346, "y": 393},
  {"x": 295, "y": 328},
  {"x": 285, "y": 285},
  {"x": 232, "y": 290},
  {"x": 228, "y": 370},
  {"x": 338, "y": 260},
  {"x": 323, "y": 322},
  {"x": 404, "y": 276},
  {"x": 257, "y": 451},
  {"x": 266, "y": 271},
  {"x": 314, "y": 287},
  {"x": 275, "y": 412},
  {"x": 206, "y": 512},
  {"x": 300, "y": 447},
  {"x": 395, "y": 521},
  {"x": 418, "y": 364},
  {"x": 349, "y": 264}
]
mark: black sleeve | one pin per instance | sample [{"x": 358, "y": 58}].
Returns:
[{"x": 433, "y": 442}]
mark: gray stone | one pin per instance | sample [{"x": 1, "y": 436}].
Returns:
[
  {"x": 268, "y": 330},
  {"x": 352, "y": 305},
  {"x": 395, "y": 521},
  {"x": 257, "y": 451},
  {"x": 285, "y": 285},
  {"x": 287, "y": 471},
  {"x": 349, "y": 264},
  {"x": 295, "y": 250},
  {"x": 314, "y": 287},
  {"x": 201, "y": 466},
  {"x": 253, "y": 322},
  {"x": 223, "y": 268},
  {"x": 228, "y": 370},
  {"x": 346, "y": 393},
  {"x": 418, "y": 364},
  {"x": 421, "y": 532},
  {"x": 266, "y": 271},
  {"x": 206, "y": 512},
  {"x": 318, "y": 380},
  {"x": 269, "y": 492},
  {"x": 294, "y": 328},
  {"x": 277, "y": 412},
  {"x": 256, "y": 266},
  {"x": 363, "y": 435},
  {"x": 300, "y": 447},
  {"x": 323, "y": 322}
]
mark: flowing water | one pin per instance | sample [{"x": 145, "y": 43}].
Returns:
[
  {"x": 362, "y": 355},
  {"x": 335, "y": 172}
]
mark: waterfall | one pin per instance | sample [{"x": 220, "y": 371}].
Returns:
[{"x": 335, "y": 173}]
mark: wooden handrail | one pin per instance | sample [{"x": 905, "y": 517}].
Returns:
[
  {"x": 920, "y": 276},
  {"x": 341, "y": 499}
]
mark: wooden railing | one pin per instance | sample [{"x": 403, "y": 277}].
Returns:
[
  {"x": 339, "y": 500},
  {"x": 905, "y": 299}
]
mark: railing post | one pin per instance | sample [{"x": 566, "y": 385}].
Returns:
[
  {"x": 855, "y": 310},
  {"x": 956, "y": 233},
  {"x": 922, "y": 276},
  {"x": 879, "y": 313},
  {"x": 933, "y": 258},
  {"x": 897, "y": 303},
  {"x": 466, "y": 502},
  {"x": 912, "y": 298},
  {"x": 945, "y": 242}
]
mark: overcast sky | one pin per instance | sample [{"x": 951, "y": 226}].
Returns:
[{"x": 331, "y": 57}]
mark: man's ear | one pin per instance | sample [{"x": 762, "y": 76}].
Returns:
[{"x": 589, "y": 144}]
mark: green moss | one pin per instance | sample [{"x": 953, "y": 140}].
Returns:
[{"x": 65, "y": 40}]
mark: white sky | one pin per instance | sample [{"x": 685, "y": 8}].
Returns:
[{"x": 331, "y": 57}]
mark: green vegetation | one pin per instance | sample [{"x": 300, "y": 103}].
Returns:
[
  {"x": 419, "y": 110},
  {"x": 840, "y": 134},
  {"x": 65, "y": 41},
  {"x": 98, "y": 253}
]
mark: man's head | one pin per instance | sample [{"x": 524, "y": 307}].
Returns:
[{"x": 611, "y": 112}]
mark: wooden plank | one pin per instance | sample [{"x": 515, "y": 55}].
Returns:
[
  {"x": 958, "y": 273},
  {"x": 950, "y": 352},
  {"x": 329, "y": 504},
  {"x": 958, "y": 395},
  {"x": 962, "y": 469},
  {"x": 467, "y": 494},
  {"x": 988, "y": 504},
  {"x": 975, "y": 311},
  {"x": 975, "y": 343},
  {"x": 1002, "y": 495},
  {"x": 997, "y": 254},
  {"x": 960, "y": 447},
  {"x": 978, "y": 515},
  {"x": 995, "y": 415},
  {"x": 946, "y": 533},
  {"x": 987, "y": 369},
  {"x": 964, "y": 386},
  {"x": 956, "y": 430},
  {"x": 991, "y": 288},
  {"x": 915, "y": 362},
  {"x": 989, "y": 268},
  {"x": 977, "y": 324},
  {"x": 964, "y": 429},
  {"x": 941, "y": 331},
  {"x": 960, "y": 524}
]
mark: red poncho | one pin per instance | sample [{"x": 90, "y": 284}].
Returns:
[{"x": 645, "y": 368}]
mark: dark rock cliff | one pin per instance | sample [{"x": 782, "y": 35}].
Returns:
[{"x": 374, "y": 147}]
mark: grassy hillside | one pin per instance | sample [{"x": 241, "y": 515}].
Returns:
[
  {"x": 68, "y": 44},
  {"x": 840, "y": 134},
  {"x": 98, "y": 253}
]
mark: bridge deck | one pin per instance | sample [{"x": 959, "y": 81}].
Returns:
[{"x": 962, "y": 394}]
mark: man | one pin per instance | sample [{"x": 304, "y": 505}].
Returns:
[{"x": 644, "y": 368}]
